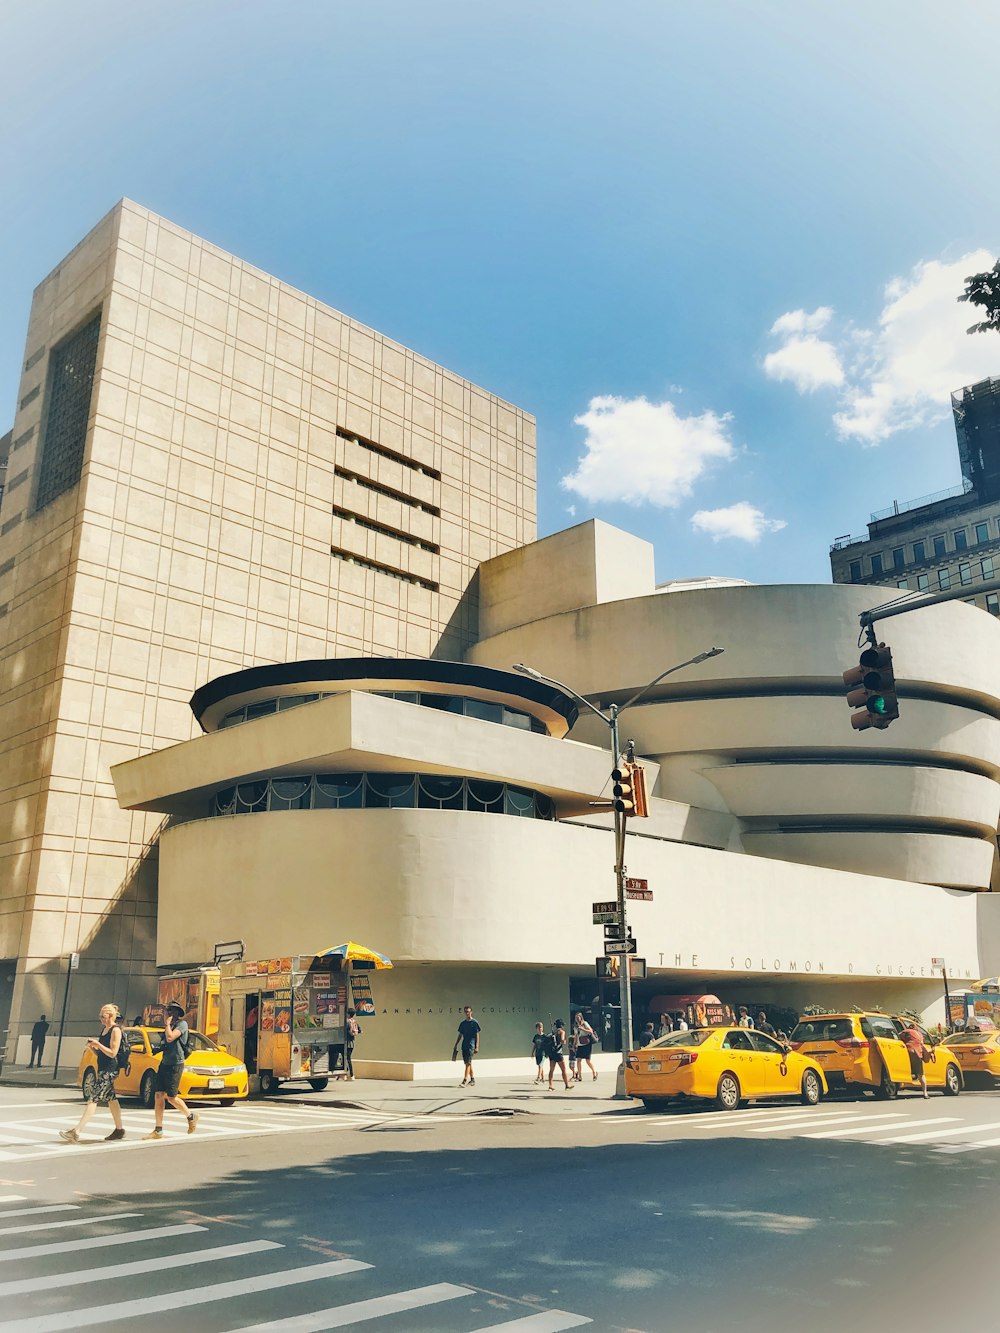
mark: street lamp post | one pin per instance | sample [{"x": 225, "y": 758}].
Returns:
[{"x": 610, "y": 719}]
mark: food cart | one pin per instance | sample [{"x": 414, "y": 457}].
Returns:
[
  {"x": 196, "y": 990},
  {"x": 285, "y": 1017}
]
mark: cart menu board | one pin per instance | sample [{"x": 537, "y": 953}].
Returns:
[
  {"x": 319, "y": 1013},
  {"x": 361, "y": 995}
]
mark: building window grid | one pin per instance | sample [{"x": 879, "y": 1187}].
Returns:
[
  {"x": 986, "y": 564},
  {"x": 923, "y": 582},
  {"x": 939, "y": 545},
  {"x": 856, "y": 575},
  {"x": 482, "y": 710},
  {"x": 382, "y": 791},
  {"x": 982, "y": 533},
  {"x": 965, "y": 573},
  {"x": 898, "y": 557},
  {"x": 960, "y": 539},
  {"x": 944, "y": 579},
  {"x": 877, "y": 565},
  {"x": 993, "y": 603},
  {"x": 71, "y": 381}
]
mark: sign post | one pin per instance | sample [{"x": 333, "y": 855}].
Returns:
[
  {"x": 72, "y": 964},
  {"x": 939, "y": 962}
]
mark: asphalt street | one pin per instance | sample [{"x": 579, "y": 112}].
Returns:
[{"x": 591, "y": 1214}]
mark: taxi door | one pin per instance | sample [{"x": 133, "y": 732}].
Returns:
[
  {"x": 772, "y": 1065},
  {"x": 893, "y": 1053},
  {"x": 743, "y": 1060}
]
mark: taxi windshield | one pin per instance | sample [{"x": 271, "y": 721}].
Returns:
[
  {"x": 969, "y": 1038},
  {"x": 823, "y": 1029},
  {"x": 693, "y": 1038}
]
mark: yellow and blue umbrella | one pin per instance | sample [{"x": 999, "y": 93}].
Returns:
[{"x": 354, "y": 952}]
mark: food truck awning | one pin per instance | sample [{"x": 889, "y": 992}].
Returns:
[{"x": 354, "y": 952}]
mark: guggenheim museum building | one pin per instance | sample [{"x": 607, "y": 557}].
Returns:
[{"x": 264, "y": 578}]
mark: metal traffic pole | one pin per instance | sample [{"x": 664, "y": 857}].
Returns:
[
  {"x": 73, "y": 962},
  {"x": 610, "y": 719}
]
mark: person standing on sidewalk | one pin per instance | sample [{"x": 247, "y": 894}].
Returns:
[
  {"x": 352, "y": 1031},
  {"x": 913, "y": 1039},
  {"x": 105, "y": 1047},
  {"x": 168, "y": 1075},
  {"x": 38, "y": 1034},
  {"x": 538, "y": 1051},
  {"x": 585, "y": 1038},
  {"x": 557, "y": 1053},
  {"x": 468, "y": 1038}
]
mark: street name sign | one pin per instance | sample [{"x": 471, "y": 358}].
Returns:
[
  {"x": 619, "y": 946},
  {"x": 638, "y": 890},
  {"x": 613, "y": 930},
  {"x": 606, "y": 918},
  {"x": 606, "y": 907}
]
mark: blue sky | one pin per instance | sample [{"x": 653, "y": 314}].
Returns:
[{"x": 713, "y": 248}]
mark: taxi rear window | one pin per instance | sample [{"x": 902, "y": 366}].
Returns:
[
  {"x": 969, "y": 1038},
  {"x": 823, "y": 1029},
  {"x": 693, "y": 1038}
]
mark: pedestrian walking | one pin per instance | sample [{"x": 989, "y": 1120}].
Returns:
[
  {"x": 666, "y": 1026},
  {"x": 557, "y": 1053},
  {"x": 173, "y": 1044},
  {"x": 105, "y": 1046},
  {"x": 352, "y": 1031},
  {"x": 38, "y": 1033},
  {"x": 745, "y": 1020},
  {"x": 468, "y": 1039},
  {"x": 538, "y": 1051},
  {"x": 682, "y": 1024},
  {"x": 763, "y": 1025},
  {"x": 647, "y": 1035},
  {"x": 585, "y": 1038},
  {"x": 914, "y": 1040}
]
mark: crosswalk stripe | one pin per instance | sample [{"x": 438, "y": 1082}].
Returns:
[
  {"x": 934, "y": 1133},
  {"x": 217, "y": 1291},
  {"x": 879, "y": 1116},
  {"x": 340, "y": 1316},
  {"x": 12, "y": 1198},
  {"x": 74, "y": 1222},
  {"x": 968, "y": 1147},
  {"x": 56, "y": 1281},
  {"x": 545, "y": 1321},
  {"x": 98, "y": 1242},
  {"x": 877, "y": 1129},
  {"x": 33, "y": 1210}
]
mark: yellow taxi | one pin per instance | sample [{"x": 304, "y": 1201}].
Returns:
[
  {"x": 863, "y": 1051},
  {"x": 210, "y": 1073},
  {"x": 977, "y": 1052},
  {"x": 726, "y": 1065}
]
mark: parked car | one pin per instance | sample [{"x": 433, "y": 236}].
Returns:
[
  {"x": 863, "y": 1052},
  {"x": 977, "y": 1052},
  {"x": 727, "y": 1065},
  {"x": 210, "y": 1073}
]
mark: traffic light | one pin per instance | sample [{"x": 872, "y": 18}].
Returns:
[
  {"x": 629, "y": 790},
  {"x": 871, "y": 688}
]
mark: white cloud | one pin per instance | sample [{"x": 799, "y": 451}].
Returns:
[
  {"x": 640, "y": 452},
  {"x": 809, "y": 362},
  {"x": 740, "y": 520},
  {"x": 899, "y": 375},
  {"x": 802, "y": 321}
]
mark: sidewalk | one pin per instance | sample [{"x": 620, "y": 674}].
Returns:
[{"x": 497, "y": 1096}]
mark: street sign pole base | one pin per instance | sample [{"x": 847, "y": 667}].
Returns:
[{"x": 620, "y": 1095}]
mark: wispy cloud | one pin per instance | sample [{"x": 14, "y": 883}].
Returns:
[
  {"x": 741, "y": 521},
  {"x": 900, "y": 374},
  {"x": 640, "y": 452}
]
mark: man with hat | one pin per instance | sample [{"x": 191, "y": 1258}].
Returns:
[{"x": 168, "y": 1076}]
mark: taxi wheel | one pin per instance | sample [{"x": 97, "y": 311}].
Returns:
[
  {"x": 226, "y": 1101},
  {"x": 886, "y": 1090},
  {"x": 655, "y": 1103},
  {"x": 88, "y": 1084},
  {"x": 727, "y": 1095},
  {"x": 147, "y": 1089},
  {"x": 812, "y": 1090},
  {"x": 268, "y": 1083},
  {"x": 952, "y": 1081}
]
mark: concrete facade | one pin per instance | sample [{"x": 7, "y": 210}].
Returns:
[{"x": 260, "y": 478}]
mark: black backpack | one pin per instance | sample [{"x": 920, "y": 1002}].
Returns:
[{"x": 124, "y": 1056}]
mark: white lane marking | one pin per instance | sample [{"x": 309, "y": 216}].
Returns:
[
  {"x": 716, "y": 1117},
  {"x": 934, "y": 1133},
  {"x": 12, "y": 1198},
  {"x": 879, "y": 1116},
  {"x": 968, "y": 1147},
  {"x": 174, "y": 1300},
  {"x": 341, "y": 1316},
  {"x": 74, "y": 1222},
  {"x": 878, "y": 1129},
  {"x": 33, "y": 1209},
  {"x": 99, "y": 1242},
  {"x": 546, "y": 1321},
  {"x": 57, "y": 1281}
]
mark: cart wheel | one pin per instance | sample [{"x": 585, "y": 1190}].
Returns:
[
  {"x": 319, "y": 1084},
  {"x": 268, "y": 1083},
  {"x": 226, "y": 1101}
]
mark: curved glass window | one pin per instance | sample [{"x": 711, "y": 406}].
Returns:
[
  {"x": 382, "y": 791},
  {"x": 484, "y": 709}
]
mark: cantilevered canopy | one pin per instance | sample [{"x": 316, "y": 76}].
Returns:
[{"x": 354, "y": 952}]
